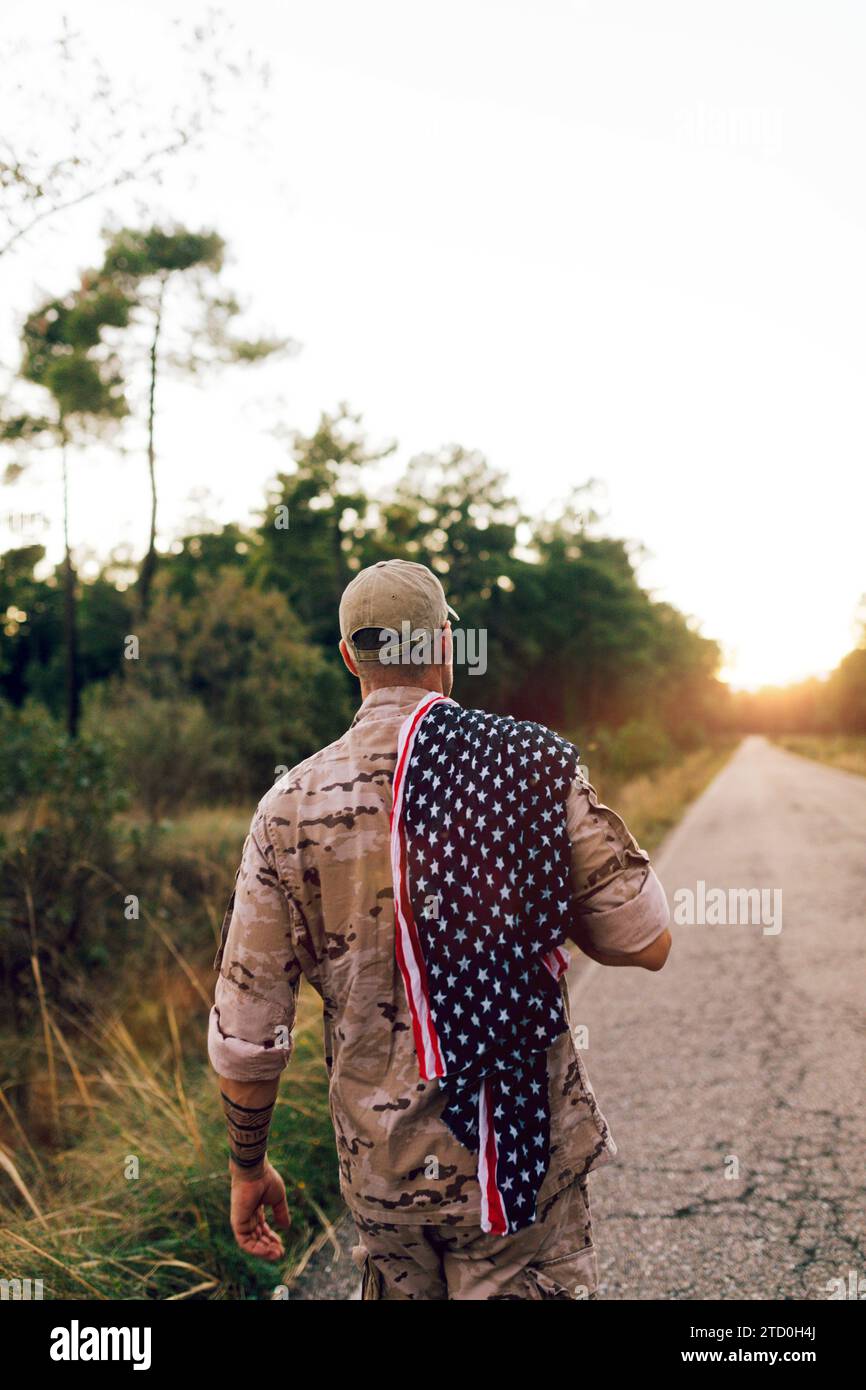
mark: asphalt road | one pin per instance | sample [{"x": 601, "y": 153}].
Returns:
[
  {"x": 745, "y": 1056},
  {"x": 748, "y": 1045}
]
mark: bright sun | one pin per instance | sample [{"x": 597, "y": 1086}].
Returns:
[{"x": 751, "y": 665}]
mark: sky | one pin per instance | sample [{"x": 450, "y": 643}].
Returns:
[{"x": 602, "y": 240}]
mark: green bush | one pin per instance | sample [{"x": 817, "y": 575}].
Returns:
[
  {"x": 168, "y": 753},
  {"x": 57, "y": 855},
  {"x": 690, "y": 736},
  {"x": 637, "y": 747},
  {"x": 28, "y": 752},
  {"x": 270, "y": 694}
]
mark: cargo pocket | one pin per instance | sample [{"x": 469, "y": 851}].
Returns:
[
  {"x": 572, "y": 1277},
  {"x": 566, "y": 1266}
]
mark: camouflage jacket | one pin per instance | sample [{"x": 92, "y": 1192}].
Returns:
[{"x": 313, "y": 898}]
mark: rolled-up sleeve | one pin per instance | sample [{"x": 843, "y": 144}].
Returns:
[
  {"x": 617, "y": 898},
  {"x": 255, "y": 1000}
]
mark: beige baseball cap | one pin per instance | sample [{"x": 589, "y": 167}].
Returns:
[{"x": 388, "y": 594}]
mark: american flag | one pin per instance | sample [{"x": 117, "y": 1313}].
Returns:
[{"x": 479, "y": 854}]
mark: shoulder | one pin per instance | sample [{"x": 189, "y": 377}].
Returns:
[
  {"x": 302, "y": 780},
  {"x": 539, "y": 752},
  {"x": 519, "y": 728},
  {"x": 542, "y": 741}
]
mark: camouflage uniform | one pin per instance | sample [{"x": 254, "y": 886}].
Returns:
[
  {"x": 554, "y": 1259},
  {"x": 313, "y": 897}
]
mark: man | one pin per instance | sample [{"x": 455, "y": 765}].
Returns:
[{"x": 314, "y": 896}]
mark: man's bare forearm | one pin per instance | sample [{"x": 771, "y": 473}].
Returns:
[
  {"x": 248, "y": 1107},
  {"x": 651, "y": 957}
]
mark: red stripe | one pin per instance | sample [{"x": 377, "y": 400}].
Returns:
[
  {"x": 556, "y": 961},
  {"x": 400, "y": 888},
  {"x": 498, "y": 1224},
  {"x": 404, "y": 971},
  {"x": 398, "y": 775},
  {"x": 406, "y": 908},
  {"x": 419, "y": 957},
  {"x": 422, "y": 971}
]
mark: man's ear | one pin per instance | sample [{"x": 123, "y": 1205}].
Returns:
[
  {"x": 447, "y": 643},
  {"x": 346, "y": 654}
]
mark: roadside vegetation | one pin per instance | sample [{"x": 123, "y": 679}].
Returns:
[
  {"x": 846, "y": 751},
  {"x": 653, "y": 803}
]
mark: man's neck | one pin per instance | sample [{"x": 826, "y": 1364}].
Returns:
[{"x": 431, "y": 681}]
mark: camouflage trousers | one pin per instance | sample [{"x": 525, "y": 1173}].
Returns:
[{"x": 553, "y": 1259}]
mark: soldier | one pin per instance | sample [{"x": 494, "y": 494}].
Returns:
[{"x": 314, "y": 896}]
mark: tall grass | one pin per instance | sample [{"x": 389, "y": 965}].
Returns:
[
  {"x": 113, "y": 1176},
  {"x": 653, "y": 803},
  {"x": 846, "y": 751}
]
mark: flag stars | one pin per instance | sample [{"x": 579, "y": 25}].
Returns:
[{"x": 484, "y": 801}]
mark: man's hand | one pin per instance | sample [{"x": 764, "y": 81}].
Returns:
[
  {"x": 250, "y": 1196},
  {"x": 248, "y": 1106}
]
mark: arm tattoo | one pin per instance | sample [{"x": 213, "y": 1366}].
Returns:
[{"x": 248, "y": 1131}]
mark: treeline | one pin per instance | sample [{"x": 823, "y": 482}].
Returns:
[
  {"x": 835, "y": 705},
  {"x": 232, "y": 669}
]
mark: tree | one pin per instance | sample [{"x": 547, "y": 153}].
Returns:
[
  {"x": 32, "y": 657},
  {"x": 846, "y": 692},
  {"x": 246, "y": 658},
  {"x": 64, "y": 354},
  {"x": 452, "y": 511},
  {"x": 146, "y": 266},
  {"x": 318, "y": 520}
]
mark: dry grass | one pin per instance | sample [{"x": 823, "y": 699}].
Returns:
[
  {"x": 212, "y": 831},
  {"x": 126, "y": 1194},
  {"x": 845, "y": 751},
  {"x": 652, "y": 804}
]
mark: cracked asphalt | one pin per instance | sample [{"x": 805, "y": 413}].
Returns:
[
  {"x": 746, "y": 1046},
  {"x": 746, "y": 1055}
]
